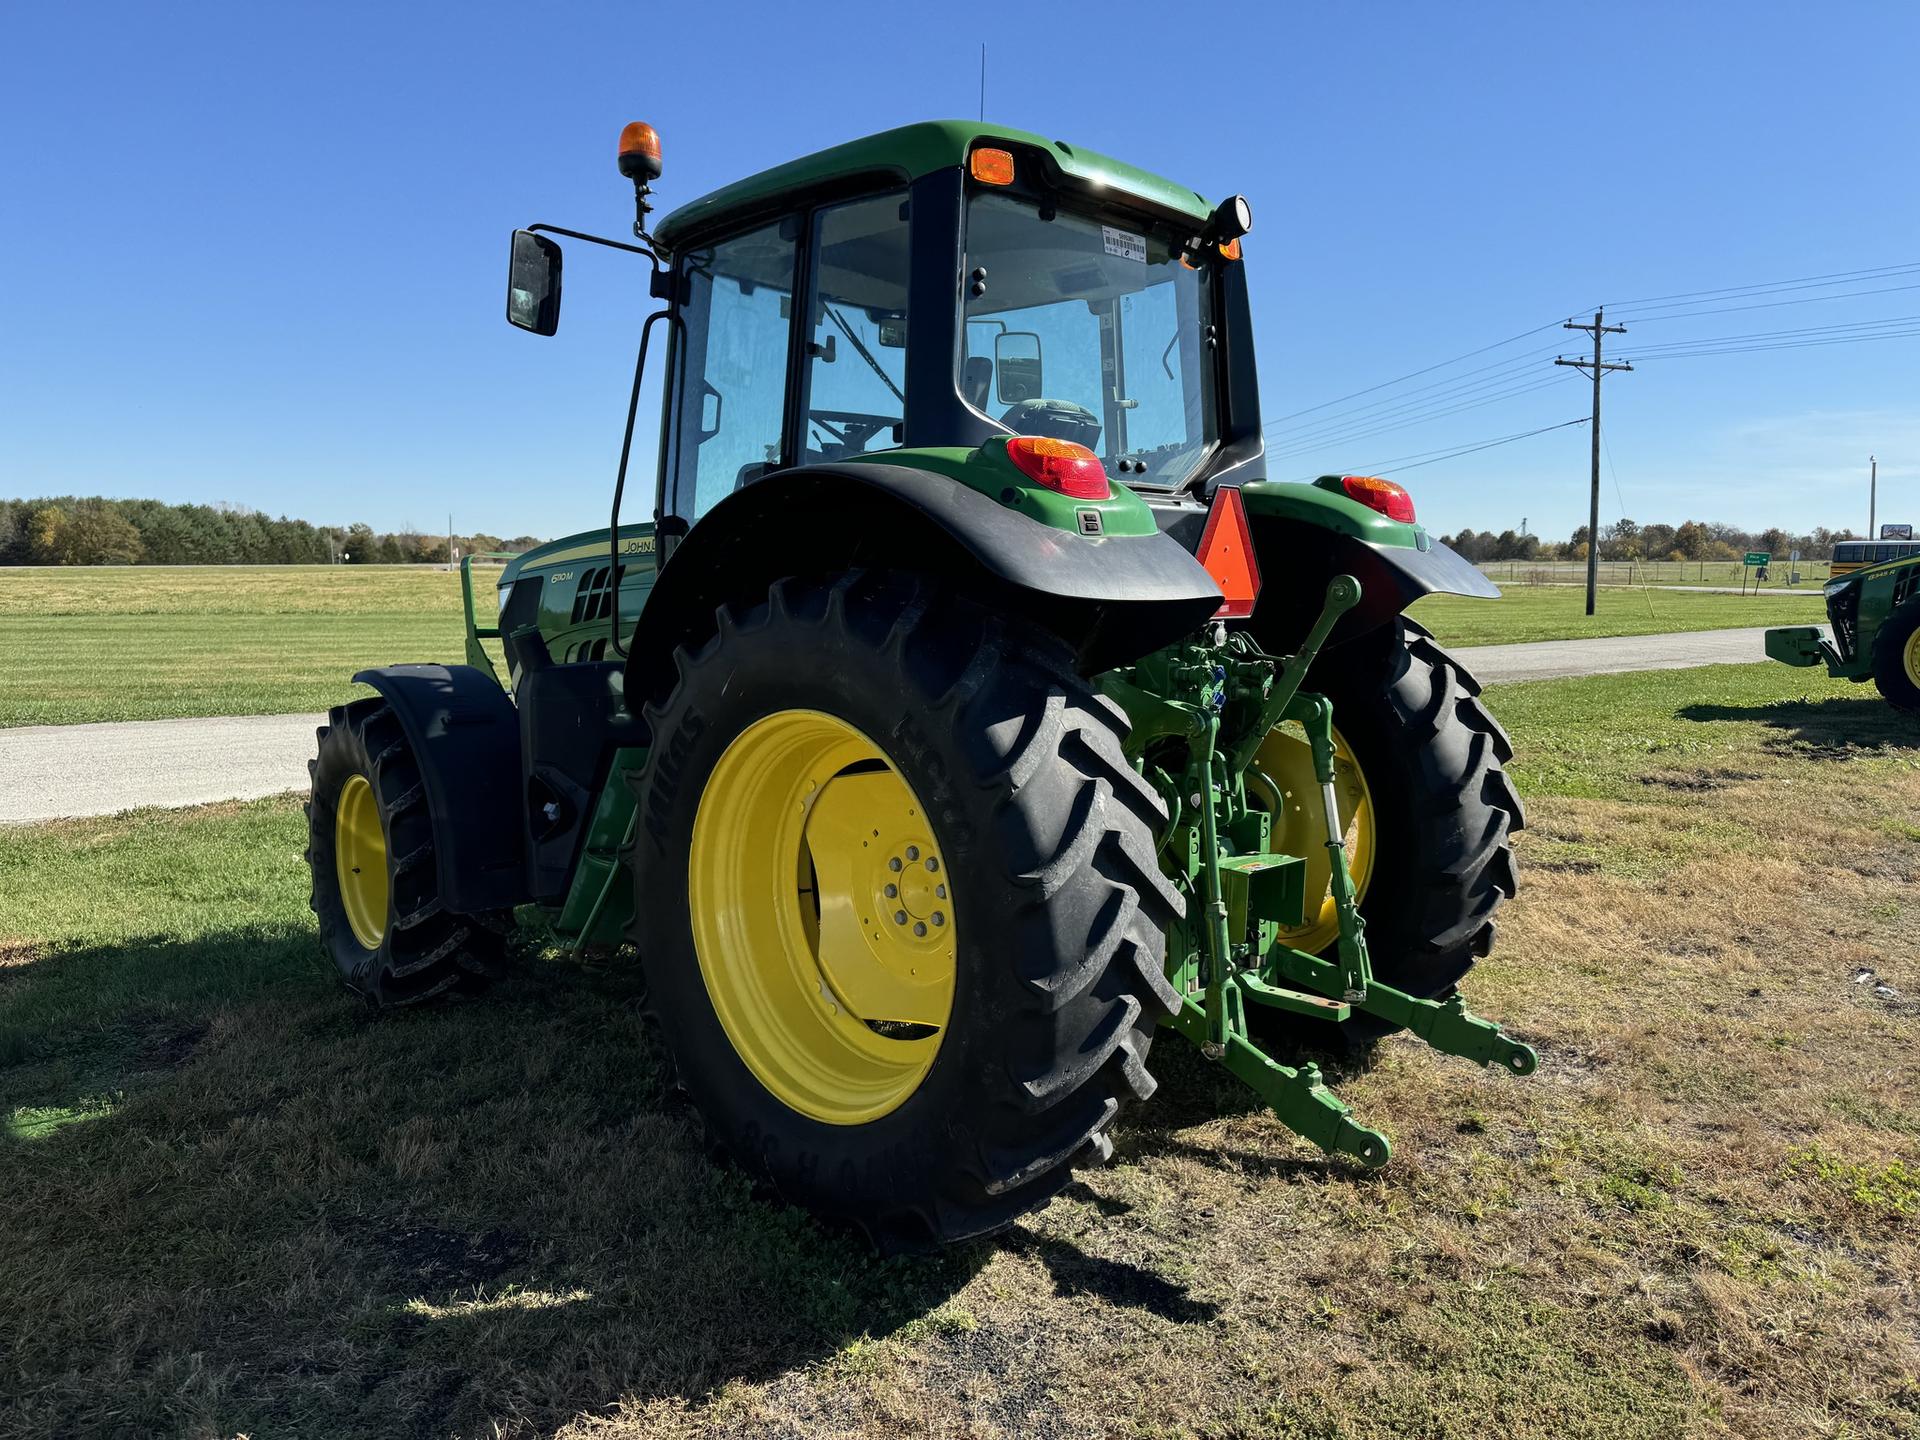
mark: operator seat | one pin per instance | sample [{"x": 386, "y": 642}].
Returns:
[{"x": 976, "y": 375}]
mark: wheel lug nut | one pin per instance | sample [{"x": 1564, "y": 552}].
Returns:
[
  {"x": 939, "y": 918},
  {"x": 899, "y": 917},
  {"x": 894, "y": 864},
  {"x": 913, "y": 852},
  {"x": 940, "y": 892},
  {"x": 892, "y": 890},
  {"x": 920, "y": 927},
  {"x": 933, "y": 863}
]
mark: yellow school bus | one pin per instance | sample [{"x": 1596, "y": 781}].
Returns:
[{"x": 1850, "y": 555}]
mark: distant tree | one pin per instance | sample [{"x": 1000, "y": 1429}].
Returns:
[
  {"x": 361, "y": 546},
  {"x": 1620, "y": 540},
  {"x": 98, "y": 534},
  {"x": 1656, "y": 540},
  {"x": 46, "y": 532},
  {"x": 1692, "y": 540},
  {"x": 1774, "y": 541}
]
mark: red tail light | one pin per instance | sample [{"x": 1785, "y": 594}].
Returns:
[
  {"x": 1389, "y": 499},
  {"x": 1073, "y": 470},
  {"x": 1226, "y": 549}
]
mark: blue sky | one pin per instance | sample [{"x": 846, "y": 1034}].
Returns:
[{"x": 257, "y": 252}]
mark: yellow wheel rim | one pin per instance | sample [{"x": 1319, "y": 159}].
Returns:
[
  {"x": 360, "y": 860},
  {"x": 1912, "y": 657},
  {"x": 1282, "y": 783},
  {"x": 823, "y": 917}
]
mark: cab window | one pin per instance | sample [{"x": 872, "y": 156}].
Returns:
[
  {"x": 730, "y": 411},
  {"x": 856, "y": 344}
]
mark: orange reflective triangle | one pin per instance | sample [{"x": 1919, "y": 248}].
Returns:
[{"x": 1226, "y": 549}]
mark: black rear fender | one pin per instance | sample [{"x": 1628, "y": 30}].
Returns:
[
  {"x": 1298, "y": 558},
  {"x": 1112, "y": 599}
]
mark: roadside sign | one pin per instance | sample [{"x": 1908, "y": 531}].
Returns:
[
  {"x": 1896, "y": 532},
  {"x": 1757, "y": 561},
  {"x": 1758, "y": 557}
]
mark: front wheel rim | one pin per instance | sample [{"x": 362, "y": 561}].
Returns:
[
  {"x": 822, "y": 913},
  {"x": 1911, "y": 658},
  {"x": 1283, "y": 784},
  {"x": 360, "y": 861}
]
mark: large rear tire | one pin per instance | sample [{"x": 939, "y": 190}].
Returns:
[
  {"x": 1422, "y": 759},
  {"x": 375, "y": 886},
  {"x": 1896, "y": 657},
  {"x": 924, "y": 1061}
]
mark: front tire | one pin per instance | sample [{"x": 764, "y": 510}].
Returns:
[
  {"x": 1896, "y": 657},
  {"x": 375, "y": 887},
  {"x": 928, "y": 1086}
]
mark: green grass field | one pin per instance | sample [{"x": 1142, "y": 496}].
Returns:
[
  {"x": 1553, "y": 612},
  {"x": 151, "y": 643},
  {"x": 147, "y": 644},
  {"x": 235, "y": 1204}
]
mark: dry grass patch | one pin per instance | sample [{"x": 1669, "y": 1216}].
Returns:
[{"x": 235, "y": 1204}]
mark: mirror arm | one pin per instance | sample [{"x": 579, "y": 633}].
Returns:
[
  {"x": 620, "y": 478},
  {"x": 598, "y": 240}
]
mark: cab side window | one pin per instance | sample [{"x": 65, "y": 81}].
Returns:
[
  {"x": 856, "y": 352},
  {"x": 730, "y": 408}
]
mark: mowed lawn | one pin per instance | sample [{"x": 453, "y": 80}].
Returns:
[
  {"x": 1559, "y": 612},
  {"x": 148, "y": 643},
  {"x": 233, "y": 1203},
  {"x": 153, "y": 643}
]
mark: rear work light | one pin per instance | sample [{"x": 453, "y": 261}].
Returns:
[
  {"x": 1060, "y": 465},
  {"x": 1389, "y": 499}
]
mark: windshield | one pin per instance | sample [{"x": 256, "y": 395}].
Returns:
[{"x": 1089, "y": 332}]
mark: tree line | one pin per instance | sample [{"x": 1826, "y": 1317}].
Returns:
[
  {"x": 90, "y": 530},
  {"x": 1626, "y": 540}
]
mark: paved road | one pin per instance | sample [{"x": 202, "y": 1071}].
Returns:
[
  {"x": 1611, "y": 655},
  {"x": 50, "y": 772}
]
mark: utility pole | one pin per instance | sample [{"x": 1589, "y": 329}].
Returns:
[
  {"x": 1873, "y": 497},
  {"x": 1596, "y": 368}
]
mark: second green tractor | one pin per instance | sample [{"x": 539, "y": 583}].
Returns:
[{"x": 971, "y": 709}]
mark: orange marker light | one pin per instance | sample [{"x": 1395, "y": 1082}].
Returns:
[
  {"x": 1226, "y": 550},
  {"x": 991, "y": 167},
  {"x": 640, "y": 152},
  {"x": 1231, "y": 250}
]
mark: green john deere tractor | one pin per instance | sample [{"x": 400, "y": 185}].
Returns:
[
  {"x": 972, "y": 706},
  {"x": 1875, "y": 614}
]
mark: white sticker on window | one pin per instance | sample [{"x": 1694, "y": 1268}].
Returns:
[{"x": 1125, "y": 244}]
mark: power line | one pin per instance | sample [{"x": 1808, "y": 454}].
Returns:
[
  {"x": 1455, "y": 453},
  {"x": 1777, "y": 334},
  {"x": 1364, "y": 423},
  {"x": 1462, "y": 380},
  {"x": 1836, "y": 276},
  {"x": 1415, "y": 374},
  {"x": 1785, "y": 345},
  {"x": 1367, "y": 432},
  {"x": 1773, "y": 304}
]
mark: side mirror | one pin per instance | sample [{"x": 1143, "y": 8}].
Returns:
[
  {"x": 533, "y": 283},
  {"x": 1016, "y": 366}
]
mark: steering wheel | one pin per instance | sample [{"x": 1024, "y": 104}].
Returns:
[
  {"x": 1059, "y": 419},
  {"x": 857, "y": 426}
]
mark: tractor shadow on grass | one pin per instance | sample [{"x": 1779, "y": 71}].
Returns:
[
  {"x": 1822, "y": 729},
  {"x": 307, "y": 1218}
]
